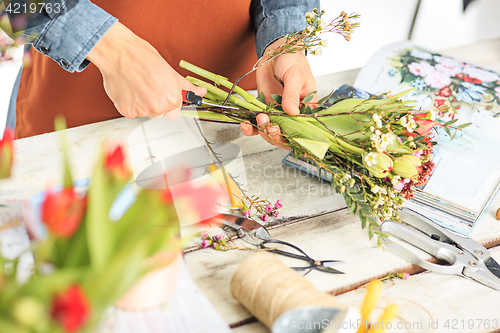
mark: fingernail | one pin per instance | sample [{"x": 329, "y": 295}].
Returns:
[{"x": 172, "y": 115}]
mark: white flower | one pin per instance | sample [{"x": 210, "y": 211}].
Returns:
[
  {"x": 323, "y": 43},
  {"x": 403, "y": 121},
  {"x": 373, "y": 128},
  {"x": 378, "y": 132},
  {"x": 388, "y": 139},
  {"x": 421, "y": 54},
  {"x": 371, "y": 159},
  {"x": 310, "y": 15},
  {"x": 383, "y": 190},
  {"x": 318, "y": 51},
  {"x": 322, "y": 26},
  {"x": 395, "y": 180},
  {"x": 376, "y": 189},
  {"x": 310, "y": 29},
  {"x": 380, "y": 201},
  {"x": 377, "y": 120},
  {"x": 379, "y": 146}
]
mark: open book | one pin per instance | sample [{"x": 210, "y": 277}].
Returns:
[{"x": 467, "y": 172}]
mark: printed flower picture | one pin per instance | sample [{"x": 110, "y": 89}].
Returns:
[{"x": 448, "y": 80}]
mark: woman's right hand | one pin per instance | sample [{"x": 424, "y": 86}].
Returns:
[{"x": 136, "y": 77}]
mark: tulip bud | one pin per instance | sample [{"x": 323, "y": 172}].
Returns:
[
  {"x": 407, "y": 166},
  {"x": 114, "y": 163},
  {"x": 379, "y": 164},
  {"x": 6, "y": 156},
  {"x": 424, "y": 125}
]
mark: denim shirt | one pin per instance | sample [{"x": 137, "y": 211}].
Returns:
[{"x": 69, "y": 35}]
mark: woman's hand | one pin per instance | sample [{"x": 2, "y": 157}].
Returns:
[
  {"x": 136, "y": 77},
  {"x": 294, "y": 72}
]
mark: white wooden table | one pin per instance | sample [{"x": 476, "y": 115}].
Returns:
[{"x": 313, "y": 217}]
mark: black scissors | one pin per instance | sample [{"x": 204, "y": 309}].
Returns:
[{"x": 256, "y": 234}]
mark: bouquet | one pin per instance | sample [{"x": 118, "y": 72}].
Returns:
[
  {"x": 376, "y": 149},
  {"x": 90, "y": 260}
]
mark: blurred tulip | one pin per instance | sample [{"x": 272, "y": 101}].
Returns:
[
  {"x": 407, "y": 166},
  {"x": 6, "y": 153},
  {"x": 70, "y": 309},
  {"x": 379, "y": 164},
  {"x": 114, "y": 162},
  {"x": 62, "y": 212}
]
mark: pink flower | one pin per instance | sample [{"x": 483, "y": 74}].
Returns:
[
  {"x": 204, "y": 235},
  {"x": 205, "y": 243},
  {"x": 264, "y": 217},
  {"x": 277, "y": 205},
  {"x": 404, "y": 276},
  {"x": 418, "y": 153},
  {"x": 275, "y": 213},
  {"x": 437, "y": 80},
  {"x": 219, "y": 237},
  {"x": 269, "y": 208},
  {"x": 399, "y": 186},
  {"x": 246, "y": 213},
  {"x": 420, "y": 68}
]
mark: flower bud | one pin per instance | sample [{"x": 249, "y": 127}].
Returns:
[
  {"x": 407, "y": 166},
  {"x": 62, "y": 212},
  {"x": 379, "y": 165}
]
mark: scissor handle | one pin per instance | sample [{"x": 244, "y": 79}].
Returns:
[
  {"x": 191, "y": 98},
  {"x": 452, "y": 255}
]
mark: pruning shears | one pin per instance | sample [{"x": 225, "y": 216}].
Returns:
[{"x": 190, "y": 98}]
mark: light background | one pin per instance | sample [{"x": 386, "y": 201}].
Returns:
[{"x": 441, "y": 24}]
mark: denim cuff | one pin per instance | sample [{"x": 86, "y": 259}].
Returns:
[
  {"x": 69, "y": 37},
  {"x": 276, "y": 26}
]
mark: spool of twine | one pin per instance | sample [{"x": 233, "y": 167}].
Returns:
[{"x": 267, "y": 288}]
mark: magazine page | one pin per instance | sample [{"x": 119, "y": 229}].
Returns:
[
  {"x": 468, "y": 167},
  {"x": 473, "y": 91}
]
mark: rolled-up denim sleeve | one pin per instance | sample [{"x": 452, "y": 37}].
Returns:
[
  {"x": 274, "y": 19},
  {"x": 69, "y": 36}
]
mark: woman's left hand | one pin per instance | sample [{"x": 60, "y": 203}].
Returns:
[{"x": 289, "y": 76}]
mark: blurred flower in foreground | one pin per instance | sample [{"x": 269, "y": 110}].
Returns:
[
  {"x": 6, "y": 154},
  {"x": 62, "y": 212},
  {"x": 71, "y": 309},
  {"x": 114, "y": 162}
]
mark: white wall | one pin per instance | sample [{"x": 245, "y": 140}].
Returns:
[{"x": 441, "y": 24}]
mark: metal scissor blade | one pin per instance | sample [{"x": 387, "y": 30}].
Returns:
[
  {"x": 493, "y": 267},
  {"x": 483, "y": 274},
  {"x": 328, "y": 270}
]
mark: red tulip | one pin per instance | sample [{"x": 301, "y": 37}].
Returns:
[
  {"x": 424, "y": 125},
  {"x": 62, "y": 212},
  {"x": 70, "y": 309},
  {"x": 114, "y": 162},
  {"x": 6, "y": 154}
]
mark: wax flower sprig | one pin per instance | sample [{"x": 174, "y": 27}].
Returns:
[{"x": 263, "y": 207}]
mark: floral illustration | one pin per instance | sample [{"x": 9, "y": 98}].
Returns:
[{"x": 448, "y": 80}]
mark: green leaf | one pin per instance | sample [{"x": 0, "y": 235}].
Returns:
[
  {"x": 327, "y": 97},
  {"x": 451, "y": 122},
  {"x": 277, "y": 98},
  {"x": 316, "y": 148},
  {"x": 308, "y": 110},
  {"x": 447, "y": 130},
  {"x": 464, "y": 125},
  {"x": 354, "y": 207},
  {"x": 362, "y": 217},
  {"x": 370, "y": 233},
  {"x": 309, "y": 97},
  {"x": 261, "y": 98},
  {"x": 60, "y": 126}
]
